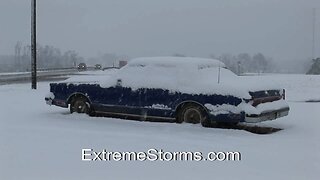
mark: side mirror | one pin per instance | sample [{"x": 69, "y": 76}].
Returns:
[{"x": 119, "y": 82}]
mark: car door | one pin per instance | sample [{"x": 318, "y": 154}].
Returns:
[
  {"x": 156, "y": 103},
  {"x": 118, "y": 100}
]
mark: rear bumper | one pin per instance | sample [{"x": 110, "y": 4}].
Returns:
[{"x": 266, "y": 116}]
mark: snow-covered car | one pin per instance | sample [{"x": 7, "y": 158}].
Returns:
[{"x": 176, "y": 89}]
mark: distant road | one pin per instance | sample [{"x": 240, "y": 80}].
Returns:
[{"x": 21, "y": 77}]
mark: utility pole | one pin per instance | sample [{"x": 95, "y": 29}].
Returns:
[
  {"x": 33, "y": 44},
  {"x": 239, "y": 68},
  {"x": 313, "y": 31}
]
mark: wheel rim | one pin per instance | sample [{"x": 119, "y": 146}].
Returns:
[
  {"x": 80, "y": 107},
  {"x": 192, "y": 115}
]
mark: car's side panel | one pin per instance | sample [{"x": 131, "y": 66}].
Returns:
[
  {"x": 145, "y": 102},
  {"x": 159, "y": 102}
]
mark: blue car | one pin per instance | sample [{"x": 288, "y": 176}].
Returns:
[{"x": 176, "y": 89}]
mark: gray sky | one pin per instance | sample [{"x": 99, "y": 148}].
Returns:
[{"x": 281, "y": 29}]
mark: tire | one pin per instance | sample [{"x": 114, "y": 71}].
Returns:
[
  {"x": 192, "y": 113},
  {"x": 80, "y": 105}
]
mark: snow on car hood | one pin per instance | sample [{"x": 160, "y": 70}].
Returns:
[{"x": 95, "y": 77}]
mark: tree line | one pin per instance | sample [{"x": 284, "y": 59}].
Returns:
[
  {"x": 244, "y": 62},
  {"x": 48, "y": 57}
]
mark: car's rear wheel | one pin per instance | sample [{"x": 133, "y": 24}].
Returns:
[
  {"x": 192, "y": 113},
  {"x": 80, "y": 105}
]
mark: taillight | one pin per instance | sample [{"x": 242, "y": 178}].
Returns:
[{"x": 283, "y": 94}]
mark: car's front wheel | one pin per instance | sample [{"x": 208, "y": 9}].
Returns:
[
  {"x": 80, "y": 105},
  {"x": 192, "y": 113}
]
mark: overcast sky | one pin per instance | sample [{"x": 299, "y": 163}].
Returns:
[{"x": 281, "y": 29}]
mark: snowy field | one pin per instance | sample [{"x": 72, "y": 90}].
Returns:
[{"x": 42, "y": 142}]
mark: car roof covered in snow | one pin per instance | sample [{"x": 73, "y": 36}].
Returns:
[
  {"x": 176, "y": 74},
  {"x": 176, "y": 62}
]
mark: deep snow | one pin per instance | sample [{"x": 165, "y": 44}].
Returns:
[{"x": 42, "y": 142}]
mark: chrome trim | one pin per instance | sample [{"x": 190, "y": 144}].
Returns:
[
  {"x": 111, "y": 105},
  {"x": 125, "y": 106},
  {"x": 267, "y": 116},
  {"x": 133, "y": 115}
]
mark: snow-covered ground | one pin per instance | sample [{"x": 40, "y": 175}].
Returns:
[{"x": 42, "y": 142}]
